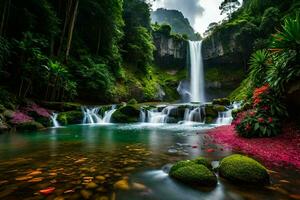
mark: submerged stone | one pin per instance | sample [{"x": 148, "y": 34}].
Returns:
[
  {"x": 122, "y": 185},
  {"x": 242, "y": 169}
]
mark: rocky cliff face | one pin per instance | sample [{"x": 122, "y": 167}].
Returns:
[
  {"x": 170, "y": 52},
  {"x": 225, "y": 55}
]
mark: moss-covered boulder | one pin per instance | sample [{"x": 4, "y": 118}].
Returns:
[
  {"x": 202, "y": 161},
  {"x": 29, "y": 126},
  {"x": 210, "y": 111},
  {"x": 194, "y": 172},
  {"x": 219, "y": 108},
  {"x": 221, "y": 101},
  {"x": 242, "y": 169},
  {"x": 132, "y": 102},
  {"x": 126, "y": 114},
  {"x": 71, "y": 117},
  {"x": 195, "y": 175},
  {"x": 61, "y": 106}
]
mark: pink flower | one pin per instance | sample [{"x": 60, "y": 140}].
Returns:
[{"x": 19, "y": 117}]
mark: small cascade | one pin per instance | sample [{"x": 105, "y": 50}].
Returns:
[
  {"x": 54, "y": 120},
  {"x": 142, "y": 116},
  {"x": 154, "y": 116},
  {"x": 194, "y": 115},
  {"x": 108, "y": 114},
  {"x": 91, "y": 116},
  {"x": 224, "y": 118}
]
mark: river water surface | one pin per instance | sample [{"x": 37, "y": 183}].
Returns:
[{"x": 86, "y": 162}]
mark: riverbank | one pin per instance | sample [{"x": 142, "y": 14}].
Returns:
[{"x": 282, "y": 150}]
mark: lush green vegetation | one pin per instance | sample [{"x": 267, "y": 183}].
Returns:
[{"x": 87, "y": 50}]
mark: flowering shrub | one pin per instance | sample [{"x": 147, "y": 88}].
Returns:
[
  {"x": 263, "y": 119},
  {"x": 19, "y": 117},
  {"x": 38, "y": 110}
]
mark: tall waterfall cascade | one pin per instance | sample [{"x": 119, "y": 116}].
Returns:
[
  {"x": 92, "y": 116},
  {"x": 54, "y": 121},
  {"x": 197, "y": 84}
]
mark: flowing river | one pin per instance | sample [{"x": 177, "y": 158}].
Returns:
[{"x": 86, "y": 161}]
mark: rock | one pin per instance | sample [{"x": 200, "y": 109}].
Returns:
[
  {"x": 202, "y": 161},
  {"x": 122, "y": 185},
  {"x": 86, "y": 194},
  {"x": 36, "y": 180},
  {"x": 100, "y": 178},
  {"x": 195, "y": 175},
  {"x": 210, "y": 111},
  {"x": 47, "y": 191},
  {"x": 80, "y": 161},
  {"x": 34, "y": 173},
  {"x": 221, "y": 101},
  {"x": 70, "y": 117},
  {"x": 132, "y": 102},
  {"x": 184, "y": 163},
  {"x": 91, "y": 185},
  {"x": 241, "y": 169},
  {"x": 219, "y": 108},
  {"x": 29, "y": 126},
  {"x": 138, "y": 186},
  {"x": 23, "y": 178},
  {"x": 126, "y": 114}
]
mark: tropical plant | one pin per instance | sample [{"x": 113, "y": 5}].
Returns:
[
  {"x": 289, "y": 37},
  {"x": 259, "y": 63}
]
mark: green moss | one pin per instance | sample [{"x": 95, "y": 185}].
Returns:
[
  {"x": 221, "y": 101},
  {"x": 210, "y": 111},
  {"x": 132, "y": 102},
  {"x": 219, "y": 108},
  {"x": 29, "y": 126},
  {"x": 126, "y": 114},
  {"x": 184, "y": 163},
  {"x": 202, "y": 161},
  {"x": 242, "y": 169},
  {"x": 195, "y": 175},
  {"x": 180, "y": 164},
  {"x": 71, "y": 117}
]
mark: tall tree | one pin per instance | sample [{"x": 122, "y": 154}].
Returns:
[{"x": 229, "y": 6}]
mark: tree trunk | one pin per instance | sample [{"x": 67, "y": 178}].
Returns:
[
  {"x": 71, "y": 30},
  {"x": 67, "y": 16},
  {"x": 99, "y": 41},
  {"x": 5, "y": 5}
]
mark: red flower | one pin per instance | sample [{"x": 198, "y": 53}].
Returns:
[
  {"x": 261, "y": 120},
  {"x": 265, "y": 108},
  {"x": 252, "y": 113},
  {"x": 248, "y": 127},
  {"x": 270, "y": 119}
]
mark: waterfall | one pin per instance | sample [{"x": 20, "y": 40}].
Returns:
[
  {"x": 154, "y": 116},
  {"x": 54, "y": 120},
  {"x": 142, "y": 115},
  {"x": 194, "y": 115},
  {"x": 224, "y": 118},
  {"x": 197, "y": 73},
  {"x": 91, "y": 115},
  {"x": 108, "y": 114}
]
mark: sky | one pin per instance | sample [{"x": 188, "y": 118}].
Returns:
[{"x": 199, "y": 12}]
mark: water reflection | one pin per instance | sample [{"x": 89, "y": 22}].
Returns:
[{"x": 136, "y": 151}]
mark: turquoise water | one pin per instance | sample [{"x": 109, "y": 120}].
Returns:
[{"x": 86, "y": 161}]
